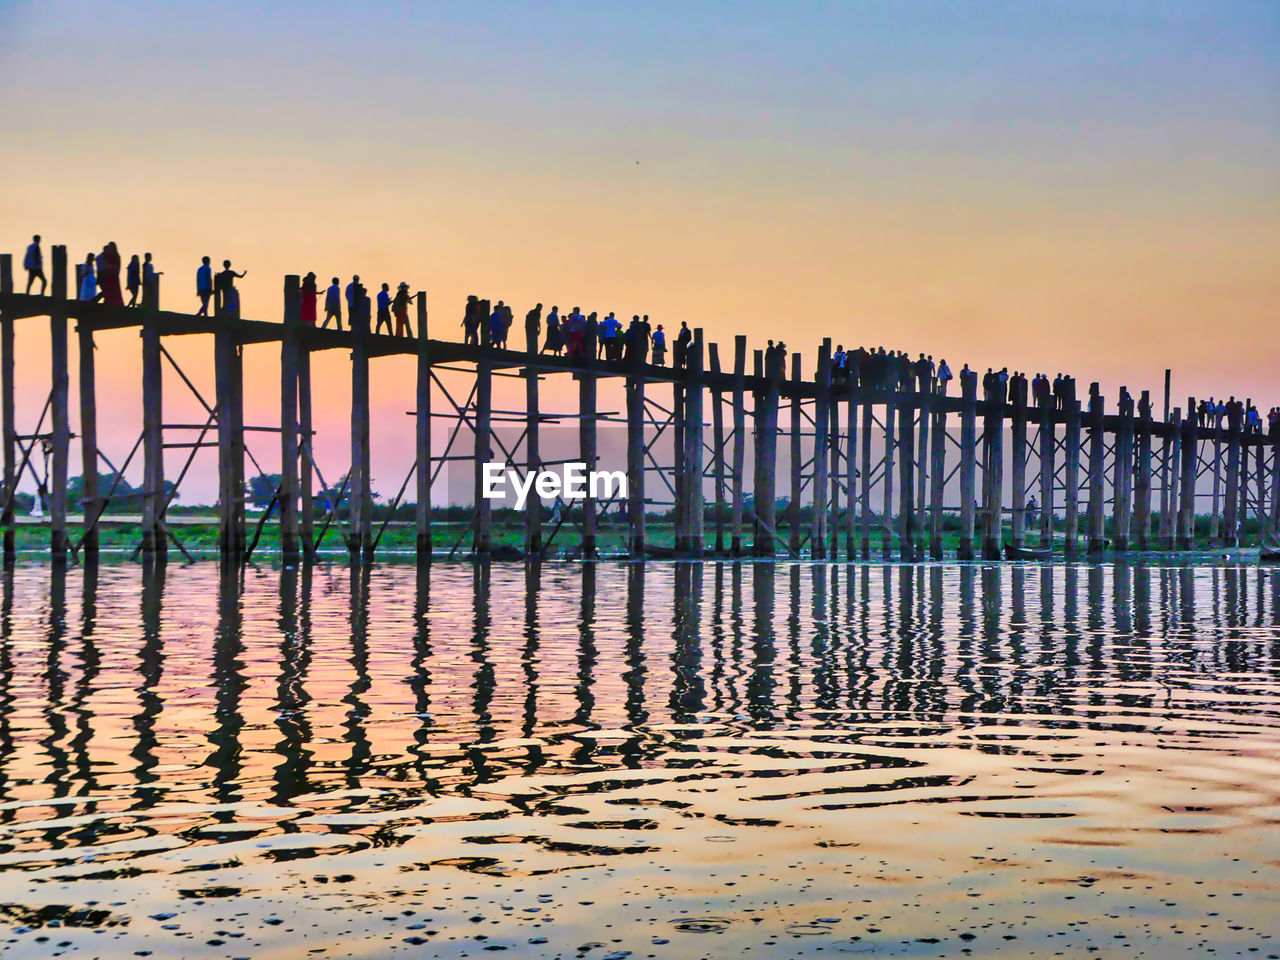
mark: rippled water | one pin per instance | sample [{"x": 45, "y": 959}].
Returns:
[{"x": 641, "y": 760}]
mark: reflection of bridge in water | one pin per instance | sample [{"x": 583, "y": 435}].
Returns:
[
  {"x": 295, "y": 682},
  {"x": 856, "y": 447}
]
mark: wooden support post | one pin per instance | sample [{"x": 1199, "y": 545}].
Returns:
[
  {"x": 422, "y": 436},
  {"x": 1018, "y": 437},
  {"x": 1142, "y": 476},
  {"x": 851, "y": 454},
  {"x": 678, "y": 517},
  {"x": 1070, "y": 468},
  {"x": 1275, "y": 484},
  {"x": 937, "y": 471},
  {"x": 587, "y": 386},
  {"x": 635, "y": 462},
  {"x": 60, "y": 427},
  {"x": 360, "y": 540},
  {"x": 822, "y": 424},
  {"x": 1048, "y": 447},
  {"x": 230, "y": 446},
  {"x": 1122, "y": 473},
  {"x": 1097, "y": 439},
  {"x": 154, "y": 541},
  {"x": 8, "y": 430},
  {"x": 1169, "y": 445},
  {"x": 1215, "y": 515},
  {"x": 835, "y": 522},
  {"x": 968, "y": 461},
  {"x": 797, "y": 457},
  {"x": 1260, "y": 481},
  {"x": 993, "y": 476},
  {"x": 766, "y": 443},
  {"x": 906, "y": 468},
  {"x": 306, "y": 476},
  {"x": 864, "y": 488},
  {"x": 890, "y": 451},
  {"x": 1235, "y": 424},
  {"x": 739, "y": 443},
  {"x": 290, "y": 546},
  {"x": 482, "y": 536},
  {"x": 717, "y": 430},
  {"x": 693, "y": 411},
  {"x": 91, "y": 505},
  {"x": 1189, "y": 465}
]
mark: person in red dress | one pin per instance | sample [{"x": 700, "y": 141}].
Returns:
[
  {"x": 309, "y": 294},
  {"x": 109, "y": 275}
]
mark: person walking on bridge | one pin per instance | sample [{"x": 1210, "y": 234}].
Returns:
[
  {"x": 308, "y": 294},
  {"x": 384, "y": 309},
  {"x": 33, "y": 263},
  {"x": 109, "y": 275},
  {"x": 133, "y": 280},
  {"x": 150, "y": 275},
  {"x": 226, "y": 283},
  {"x": 471, "y": 321},
  {"x": 204, "y": 286},
  {"x": 659, "y": 347},
  {"x": 333, "y": 304},
  {"x": 944, "y": 375},
  {"x": 680, "y": 356},
  {"x": 533, "y": 328},
  {"x": 88, "y": 281},
  {"x": 400, "y": 307},
  {"x": 555, "y": 336}
]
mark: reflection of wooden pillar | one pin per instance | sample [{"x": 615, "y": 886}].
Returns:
[
  {"x": 422, "y": 406},
  {"x": 1142, "y": 475},
  {"x": 968, "y": 461},
  {"x": 289, "y": 535},
  {"x": 60, "y": 427},
  {"x": 739, "y": 443},
  {"x": 8, "y": 430}
]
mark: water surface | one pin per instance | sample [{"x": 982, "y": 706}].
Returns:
[{"x": 659, "y": 760}]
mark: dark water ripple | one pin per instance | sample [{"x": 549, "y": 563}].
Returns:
[{"x": 641, "y": 760}]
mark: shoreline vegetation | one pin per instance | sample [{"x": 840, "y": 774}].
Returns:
[{"x": 196, "y": 528}]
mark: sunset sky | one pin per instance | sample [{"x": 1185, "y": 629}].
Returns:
[{"x": 1079, "y": 186}]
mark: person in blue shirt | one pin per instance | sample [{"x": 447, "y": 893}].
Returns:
[
  {"x": 33, "y": 263},
  {"x": 384, "y": 309},
  {"x": 333, "y": 304},
  {"x": 149, "y": 274},
  {"x": 609, "y": 340},
  {"x": 204, "y": 286},
  {"x": 498, "y": 326},
  {"x": 88, "y": 281}
]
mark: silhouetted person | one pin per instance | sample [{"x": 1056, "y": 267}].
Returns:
[
  {"x": 944, "y": 375},
  {"x": 133, "y": 280},
  {"x": 400, "y": 307},
  {"x": 88, "y": 281},
  {"x": 533, "y": 328},
  {"x": 226, "y": 283},
  {"x": 659, "y": 347},
  {"x": 555, "y": 335},
  {"x": 109, "y": 275},
  {"x": 149, "y": 275},
  {"x": 308, "y": 294},
  {"x": 352, "y": 303},
  {"x": 384, "y": 309},
  {"x": 33, "y": 263},
  {"x": 471, "y": 321},
  {"x": 498, "y": 326},
  {"x": 333, "y": 304},
  {"x": 680, "y": 356},
  {"x": 204, "y": 286}
]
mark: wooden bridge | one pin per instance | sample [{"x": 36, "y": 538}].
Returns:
[{"x": 1086, "y": 465}]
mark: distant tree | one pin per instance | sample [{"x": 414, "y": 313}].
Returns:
[{"x": 262, "y": 488}]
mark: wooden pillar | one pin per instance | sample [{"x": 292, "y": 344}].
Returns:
[
  {"x": 797, "y": 457},
  {"x": 154, "y": 542},
  {"x": 835, "y": 521},
  {"x": 717, "y": 430},
  {"x": 422, "y": 436},
  {"x": 60, "y": 427},
  {"x": 1122, "y": 472},
  {"x": 766, "y": 417},
  {"x": 1215, "y": 515},
  {"x": 968, "y": 461},
  {"x": 906, "y": 470},
  {"x": 306, "y": 474},
  {"x": 1048, "y": 447},
  {"x": 482, "y": 536},
  {"x": 1235, "y": 424},
  {"x": 289, "y": 534},
  {"x": 8, "y": 430},
  {"x": 693, "y": 412},
  {"x": 890, "y": 452},
  {"x": 993, "y": 476},
  {"x": 937, "y": 471},
  {"x": 91, "y": 505},
  {"x": 1169, "y": 443},
  {"x": 1189, "y": 464},
  {"x": 851, "y": 455},
  {"x": 1260, "y": 481},
  {"x": 587, "y": 386},
  {"x": 360, "y": 540},
  {"x": 635, "y": 460},
  {"x": 1097, "y": 540},
  {"x": 739, "y": 443},
  {"x": 1070, "y": 468},
  {"x": 1142, "y": 475},
  {"x": 822, "y": 424},
  {"x": 864, "y": 488},
  {"x": 1018, "y": 434},
  {"x": 1275, "y": 484}
]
